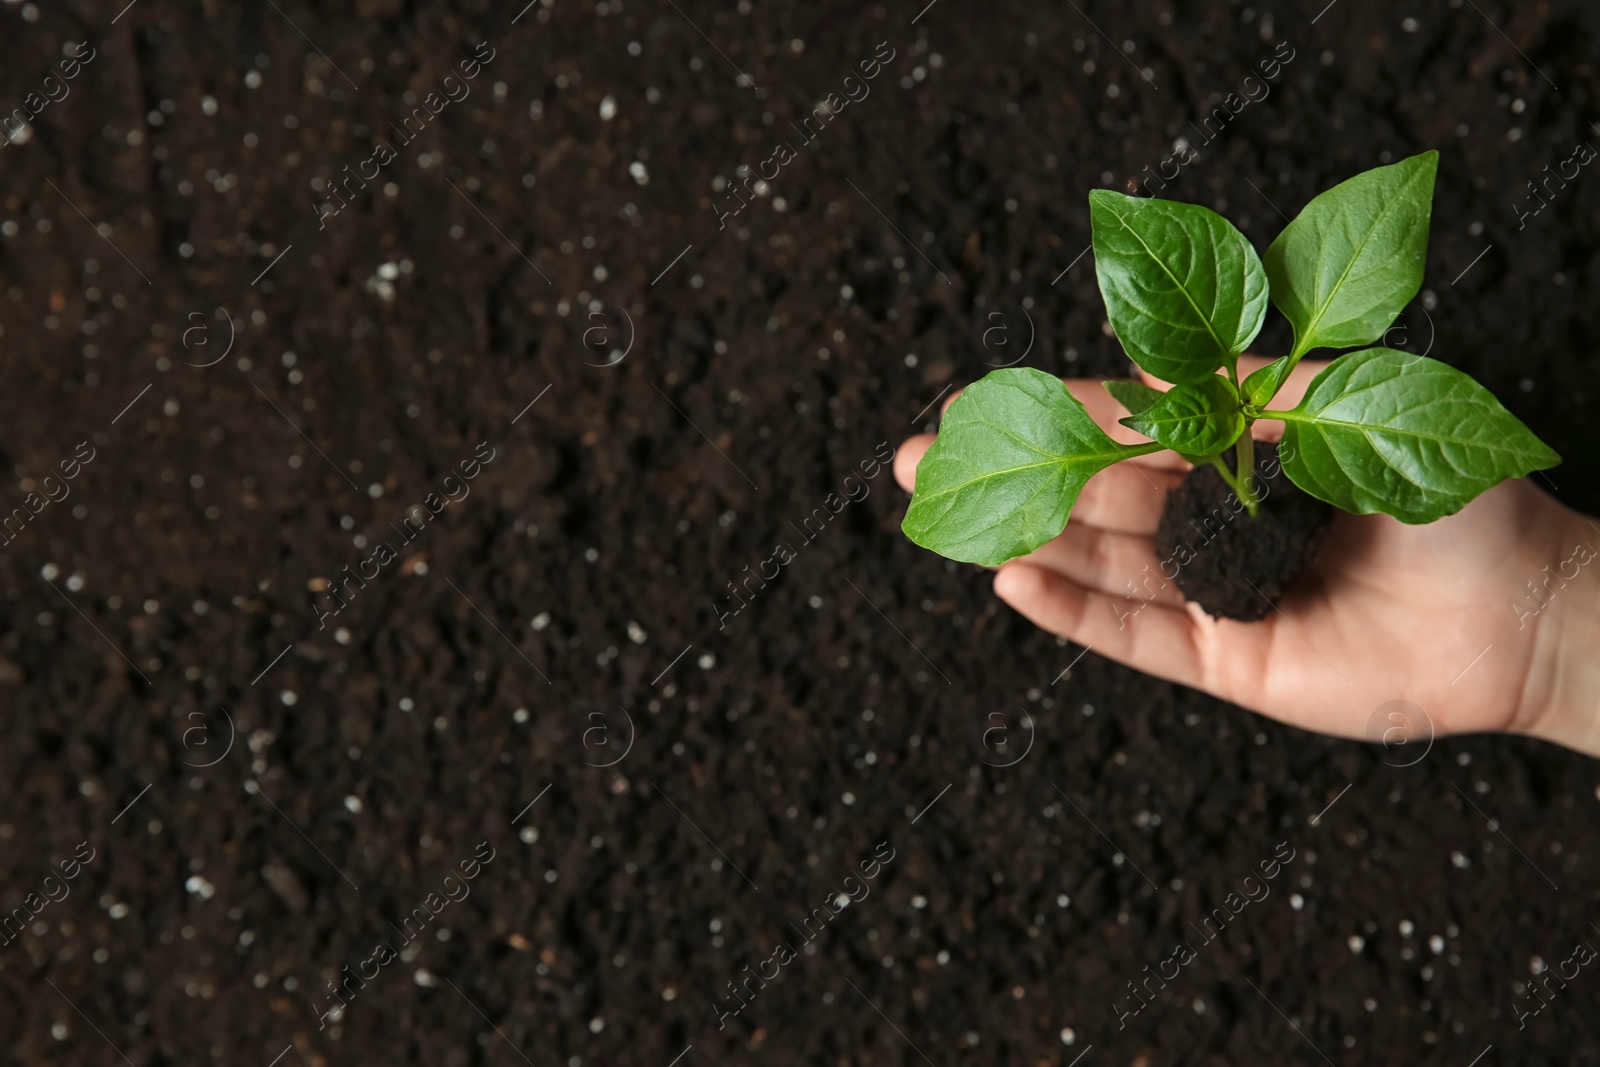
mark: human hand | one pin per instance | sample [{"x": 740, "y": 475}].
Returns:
[{"x": 1425, "y": 614}]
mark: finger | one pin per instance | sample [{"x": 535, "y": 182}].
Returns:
[
  {"x": 907, "y": 458},
  {"x": 1152, "y": 381},
  {"x": 1109, "y": 562},
  {"x": 1125, "y": 497},
  {"x": 1153, "y": 638}
]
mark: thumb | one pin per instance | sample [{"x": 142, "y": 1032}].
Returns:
[{"x": 1151, "y": 380}]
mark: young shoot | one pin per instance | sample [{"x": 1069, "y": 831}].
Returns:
[{"x": 1378, "y": 430}]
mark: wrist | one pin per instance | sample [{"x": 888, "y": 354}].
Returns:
[{"x": 1568, "y": 651}]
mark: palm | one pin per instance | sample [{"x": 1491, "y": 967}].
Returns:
[
  {"x": 1394, "y": 612},
  {"x": 1388, "y": 612}
]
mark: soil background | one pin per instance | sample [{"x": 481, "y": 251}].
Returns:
[{"x": 268, "y": 794}]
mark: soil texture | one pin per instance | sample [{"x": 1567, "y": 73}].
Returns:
[
  {"x": 438, "y": 383},
  {"x": 1233, "y": 564}
]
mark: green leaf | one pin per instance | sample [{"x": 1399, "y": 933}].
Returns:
[
  {"x": 1200, "y": 419},
  {"x": 1135, "y": 396},
  {"x": 1263, "y": 383},
  {"x": 1387, "y": 431},
  {"x": 1346, "y": 267},
  {"x": 1013, "y": 452},
  {"x": 1184, "y": 290}
]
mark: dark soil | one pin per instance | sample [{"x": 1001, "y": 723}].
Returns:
[
  {"x": 269, "y": 790},
  {"x": 1233, "y": 564}
]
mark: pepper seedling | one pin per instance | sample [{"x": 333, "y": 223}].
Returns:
[{"x": 1378, "y": 430}]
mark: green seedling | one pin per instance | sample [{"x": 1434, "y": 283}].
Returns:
[{"x": 1377, "y": 431}]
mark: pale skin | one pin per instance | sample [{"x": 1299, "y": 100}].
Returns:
[{"x": 1388, "y": 611}]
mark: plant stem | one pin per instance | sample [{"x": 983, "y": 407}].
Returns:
[
  {"x": 1245, "y": 450},
  {"x": 1227, "y": 475}
]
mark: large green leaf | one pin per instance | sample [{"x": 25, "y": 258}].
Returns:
[
  {"x": 1184, "y": 290},
  {"x": 1346, "y": 267},
  {"x": 1387, "y": 431},
  {"x": 1200, "y": 419},
  {"x": 1013, "y": 452}
]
